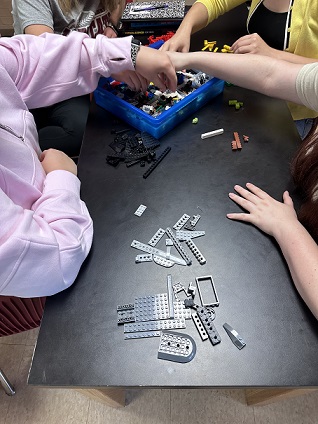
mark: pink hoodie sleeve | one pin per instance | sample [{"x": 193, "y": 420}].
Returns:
[
  {"x": 46, "y": 230},
  {"x": 42, "y": 249},
  {"x": 43, "y": 78}
]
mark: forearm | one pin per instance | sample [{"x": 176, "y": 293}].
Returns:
[
  {"x": 195, "y": 19},
  {"x": 301, "y": 254},
  {"x": 255, "y": 72},
  {"x": 292, "y": 58}
]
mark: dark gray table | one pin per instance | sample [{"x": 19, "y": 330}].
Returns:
[{"x": 80, "y": 344}]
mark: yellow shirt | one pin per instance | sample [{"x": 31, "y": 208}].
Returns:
[{"x": 303, "y": 33}]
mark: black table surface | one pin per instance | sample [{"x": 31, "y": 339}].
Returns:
[{"x": 80, "y": 343}]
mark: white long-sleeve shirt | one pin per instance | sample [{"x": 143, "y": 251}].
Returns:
[
  {"x": 46, "y": 231},
  {"x": 307, "y": 85}
]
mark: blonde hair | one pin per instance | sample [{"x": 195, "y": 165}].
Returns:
[{"x": 109, "y": 5}]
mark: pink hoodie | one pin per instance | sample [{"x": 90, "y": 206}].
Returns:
[{"x": 46, "y": 231}]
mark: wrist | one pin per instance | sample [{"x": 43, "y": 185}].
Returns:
[
  {"x": 115, "y": 28},
  {"x": 135, "y": 47}
]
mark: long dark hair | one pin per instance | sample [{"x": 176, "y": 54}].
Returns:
[{"x": 304, "y": 169}]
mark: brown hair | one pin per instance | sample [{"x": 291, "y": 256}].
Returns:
[
  {"x": 304, "y": 169},
  {"x": 109, "y": 5}
]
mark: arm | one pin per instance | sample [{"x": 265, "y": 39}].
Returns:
[
  {"x": 254, "y": 44},
  {"x": 195, "y": 19},
  {"x": 37, "y": 29},
  {"x": 260, "y": 73},
  {"x": 32, "y": 16},
  {"x": 280, "y": 221},
  {"x": 44, "y": 244},
  {"x": 199, "y": 16},
  {"x": 75, "y": 63}
]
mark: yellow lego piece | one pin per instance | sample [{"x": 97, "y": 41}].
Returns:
[{"x": 208, "y": 45}]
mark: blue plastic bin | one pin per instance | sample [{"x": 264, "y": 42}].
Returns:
[{"x": 168, "y": 119}]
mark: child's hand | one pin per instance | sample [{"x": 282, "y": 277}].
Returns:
[
  {"x": 53, "y": 160},
  {"x": 265, "y": 212}
]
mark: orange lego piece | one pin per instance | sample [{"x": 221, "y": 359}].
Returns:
[{"x": 237, "y": 139}]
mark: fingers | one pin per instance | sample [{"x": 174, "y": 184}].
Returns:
[
  {"x": 239, "y": 217},
  {"x": 136, "y": 82},
  {"x": 287, "y": 199},
  {"x": 42, "y": 155},
  {"x": 241, "y": 201},
  {"x": 247, "y": 199},
  {"x": 256, "y": 190},
  {"x": 252, "y": 194}
]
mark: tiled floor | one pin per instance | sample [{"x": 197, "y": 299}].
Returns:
[{"x": 33, "y": 405}]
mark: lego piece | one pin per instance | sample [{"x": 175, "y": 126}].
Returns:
[
  {"x": 141, "y": 209},
  {"x": 156, "y": 163},
  {"x": 207, "y": 316},
  {"x": 125, "y": 307},
  {"x": 170, "y": 295},
  {"x": 194, "y": 249},
  {"x": 212, "y": 133},
  {"x": 207, "y": 281},
  {"x": 195, "y": 220},
  {"x": 143, "y": 258},
  {"x": 180, "y": 223},
  {"x": 237, "y": 140},
  {"x": 155, "y": 239},
  {"x": 169, "y": 244},
  {"x": 183, "y": 235},
  {"x": 149, "y": 308},
  {"x": 125, "y": 316},
  {"x": 191, "y": 290},
  {"x": 234, "y": 336},
  {"x": 167, "y": 324},
  {"x": 208, "y": 45},
  {"x": 162, "y": 261},
  {"x": 178, "y": 246},
  {"x": 142, "y": 334},
  {"x": 125, "y": 313},
  {"x": 177, "y": 347},
  {"x": 189, "y": 303},
  {"x": 149, "y": 249},
  {"x": 180, "y": 310},
  {"x": 177, "y": 288},
  {"x": 199, "y": 326}
]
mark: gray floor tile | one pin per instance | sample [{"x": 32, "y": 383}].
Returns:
[
  {"x": 207, "y": 406},
  {"x": 150, "y": 406},
  {"x": 297, "y": 410},
  {"x": 32, "y": 405},
  {"x": 32, "y": 336},
  {"x": 10, "y": 359},
  {"x": 18, "y": 339}
]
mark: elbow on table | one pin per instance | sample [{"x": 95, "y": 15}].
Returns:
[{"x": 36, "y": 270}]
